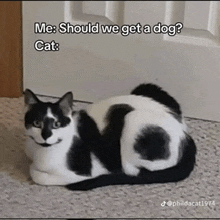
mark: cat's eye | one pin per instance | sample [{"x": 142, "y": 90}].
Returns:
[
  {"x": 37, "y": 124},
  {"x": 56, "y": 124}
]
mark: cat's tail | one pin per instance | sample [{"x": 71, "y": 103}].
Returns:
[
  {"x": 174, "y": 174},
  {"x": 158, "y": 94}
]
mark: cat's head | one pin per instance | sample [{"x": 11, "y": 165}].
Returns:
[{"x": 45, "y": 122}]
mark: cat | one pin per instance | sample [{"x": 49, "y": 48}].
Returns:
[{"x": 140, "y": 138}]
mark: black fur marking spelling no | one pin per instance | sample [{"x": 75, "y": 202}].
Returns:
[
  {"x": 156, "y": 93},
  {"x": 174, "y": 174},
  {"x": 105, "y": 146},
  {"x": 152, "y": 143}
]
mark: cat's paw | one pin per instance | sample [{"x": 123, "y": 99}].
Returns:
[
  {"x": 38, "y": 176},
  {"x": 130, "y": 169},
  {"x": 44, "y": 178}
]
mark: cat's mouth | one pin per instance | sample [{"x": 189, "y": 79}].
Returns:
[{"x": 46, "y": 144}]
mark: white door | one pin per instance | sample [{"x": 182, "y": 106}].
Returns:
[{"x": 96, "y": 66}]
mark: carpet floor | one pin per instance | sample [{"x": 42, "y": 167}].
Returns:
[{"x": 196, "y": 197}]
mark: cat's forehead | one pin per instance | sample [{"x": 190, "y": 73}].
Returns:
[
  {"x": 46, "y": 109},
  {"x": 50, "y": 114}
]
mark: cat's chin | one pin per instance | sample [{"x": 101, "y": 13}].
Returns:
[{"x": 48, "y": 145}]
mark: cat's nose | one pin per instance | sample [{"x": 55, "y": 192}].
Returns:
[{"x": 46, "y": 134}]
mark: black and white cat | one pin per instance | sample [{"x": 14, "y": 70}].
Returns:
[{"x": 139, "y": 138}]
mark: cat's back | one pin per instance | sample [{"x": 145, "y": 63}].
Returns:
[
  {"x": 139, "y": 121},
  {"x": 117, "y": 105},
  {"x": 137, "y": 102}
]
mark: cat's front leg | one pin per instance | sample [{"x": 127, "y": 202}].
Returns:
[{"x": 44, "y": 178}]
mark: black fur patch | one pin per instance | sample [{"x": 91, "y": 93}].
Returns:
[
  {"x": 109, "y": 150},
  {"x": 78, "y": 157},
  {"x": 156, "y": 93},
  {"x": 39, "y": 111},
  {"x": 153, "y": 143},
  {"x": 88, "y": 129},
  {"x": 58, "y": 113},
  {"x": 179, "y": 172},
  {"x": 105, "y": 146}
]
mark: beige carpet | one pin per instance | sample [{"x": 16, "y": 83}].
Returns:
[{"x": 21, "y": 198}]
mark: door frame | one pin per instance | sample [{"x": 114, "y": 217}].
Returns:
[{"x": 11, "y": 63}]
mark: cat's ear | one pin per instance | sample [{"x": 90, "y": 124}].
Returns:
[
  {"x": 66, "y": 103},
  {"x": 30, "y": 98}
]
